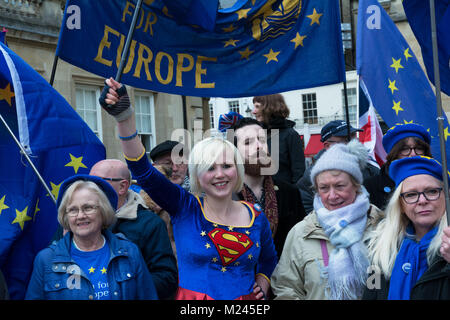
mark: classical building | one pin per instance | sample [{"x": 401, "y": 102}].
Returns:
[{"x": 33, "y": 29}]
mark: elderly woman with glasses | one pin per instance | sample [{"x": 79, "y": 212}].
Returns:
[
  {"x": 408, "y": 249},
  {"x": 90, "y": 262},
  {"x": 400, "y": 141}
]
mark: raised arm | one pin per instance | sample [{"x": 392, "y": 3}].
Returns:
[
  {"x": 166, "y": 194},
  {"x": 126, "y": 123}
]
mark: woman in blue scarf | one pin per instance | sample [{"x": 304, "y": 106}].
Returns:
[{"x": 408, "y": 246}]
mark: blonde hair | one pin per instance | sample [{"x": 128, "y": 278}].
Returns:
[
  {"x": 204, "y": 155},
  {"x": 106, "y": 210},
  {"x": 385, "y": 240}
]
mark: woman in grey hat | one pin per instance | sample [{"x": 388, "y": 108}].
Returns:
[{"x": 324, "y": 256}]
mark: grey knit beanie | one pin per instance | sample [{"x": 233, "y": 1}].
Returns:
[{"x": 350, "y": 158}]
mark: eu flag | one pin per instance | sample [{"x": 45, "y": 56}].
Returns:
[
  {"x": 256, "y": 47},
  {"x": 418, "y": 13},
  {"x": 59, "y": 143},
  {"x": 389, "y": 70}
]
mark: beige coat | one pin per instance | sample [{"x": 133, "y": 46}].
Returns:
[{"x": 297, "y": 275}]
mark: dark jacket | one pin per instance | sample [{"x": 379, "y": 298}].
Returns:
[
  {"x": 4, "y": 294},
  {"x": 380, "y": 188},
  {"x": 290, "y": 211},
  {"x": 291, "y": 156},
  {"x": 149, "y": 233},
  {"x": 55, "y": 273},
  {"x": 433, "y": 285}
]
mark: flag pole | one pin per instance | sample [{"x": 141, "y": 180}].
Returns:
[
  {"x": 128, "y": 41},
  {"x": 55, "y": 63},
  {"x": 440, "y": 118},
  {"x": 22, "y": 151},
  {"x": 347, "y": 116}
]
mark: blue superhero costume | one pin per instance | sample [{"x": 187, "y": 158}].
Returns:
[{"x": 215, "y": 261}]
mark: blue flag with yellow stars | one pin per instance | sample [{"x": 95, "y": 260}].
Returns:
[
  {"x": 255, "y": 47},
  {"x": 418, "y": 13},
  {"x": 58, "y": 142},
  {"x": 389, "y": 70}
]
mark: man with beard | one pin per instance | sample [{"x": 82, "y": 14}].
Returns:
[{"x": 280, "y": 201}]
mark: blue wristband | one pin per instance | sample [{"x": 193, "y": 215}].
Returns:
[{"x": 129, "y": 137}]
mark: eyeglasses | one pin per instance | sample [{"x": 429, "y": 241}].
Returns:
[
  {"x": 413, "y": 196},
  {"x": 406, "y": 151},
  {"x": 87, "y": 209},
  {"x": 112, "y": 179}
]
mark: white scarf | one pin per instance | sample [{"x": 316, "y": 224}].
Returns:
[{"x": 347, "y": 269}]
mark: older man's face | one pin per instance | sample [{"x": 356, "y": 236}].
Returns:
[{"x": 178, "y": 167}]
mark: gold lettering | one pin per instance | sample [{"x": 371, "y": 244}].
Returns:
[
  {"x": 150, "y": 22},
  {"x": 141, "y": 14},
  {"x": 127, "y": 11},
  {"x": 181, "y": 68},
  {"x": 199, "y": 71},
  {"x": 130, "y": 54},
  {"x": 158, "y": 59},
  {"x": 141, "y": 60},
  {"x": 105, "y": 43}
]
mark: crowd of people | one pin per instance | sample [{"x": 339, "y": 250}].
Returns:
[{"x": 211, "y": 224}]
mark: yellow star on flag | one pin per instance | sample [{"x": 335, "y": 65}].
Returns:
[
  {"x": 55, "y": 189},
  {"x": 298, "y": 40},
  {"x": 3, "y": 206},
  {"x": 6, "y": 94},
  {"x": 103, "y": 270},
  {"x": 396, "y": 64},
  {"x": 36, "y": 208},
  {"x": 203, "y": 233},
  {"x": 392, "y": 86},
  {"x": 250, "y": 256},
  {"x": 76, "y": 163},
  {"x": 21, "y": 217},
  {"x": 207, "y": 246},
  {"x": 446, "y": 134},
  {"x": 242, "y": 13},
  {"x": 397, "y": 107},
  {"x": 230, "y": 42},
  {"x": 230, "y": 28},
  {"x": 246, "y": 53},
  {"x": 315, "y": 17},
  {"x": 407, "y": 54},
  {"x": 91, "y": 270},
  {"x": 406, "y": 122},
  {"x": 223, "y": 269},
  {"x": 214, "y": 260},
  {"x": 271, "y": 56}
]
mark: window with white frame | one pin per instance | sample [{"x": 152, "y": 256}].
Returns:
[
  {"x": 145, "y": 119},
  {"x": 309, "y": 103},
  {"x": 352, "y": 105},
  {"x": 88, "y": 108},
  {"x": 234, "y": 106},
  {"x": 211, "y": 115}
]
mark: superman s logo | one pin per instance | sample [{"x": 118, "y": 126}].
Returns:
[{"x": 230, "y": 245}]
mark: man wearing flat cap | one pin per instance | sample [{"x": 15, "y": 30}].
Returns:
[
  {"x": 162, "y": 155},
  {"x": 333, "y": 132}
]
